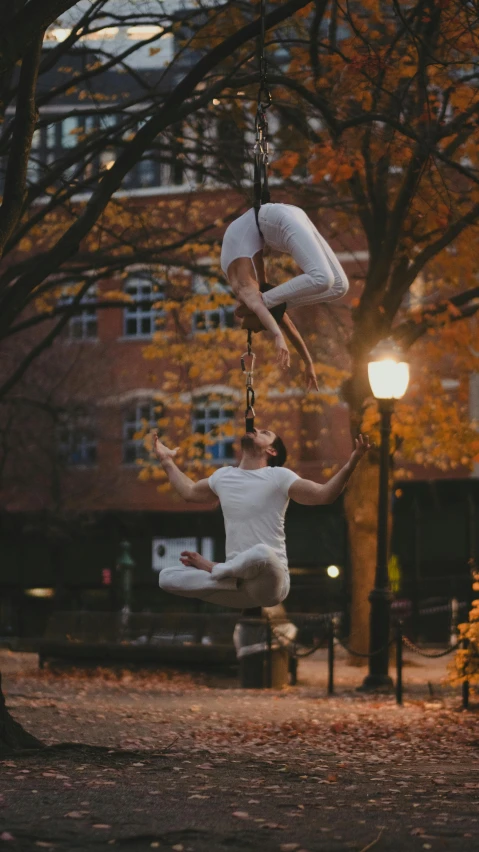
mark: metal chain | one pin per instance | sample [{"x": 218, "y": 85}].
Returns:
[
  {"x": 416, "y": 650},
  {"x": 292, "y": 649},
  {"x": 247, "y": 365},
  {"x": 366, "y": 656}
]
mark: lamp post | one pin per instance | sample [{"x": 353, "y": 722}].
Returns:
[
  {"x": 125, "y": 565},
  {"x": 389, "y": 378}
]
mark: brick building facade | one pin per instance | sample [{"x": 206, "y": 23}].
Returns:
[{"x": 63, "y": 519}]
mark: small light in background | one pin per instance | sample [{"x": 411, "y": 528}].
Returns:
[
  {"x": 143, "y": 31},
  {"x": 216, "y": 102},
  {"x": 101, "y": 35},
  {"x": 57, "y": 34},
  {"x": 40, "y": 593},
  {"x": 333, "y": 571}
]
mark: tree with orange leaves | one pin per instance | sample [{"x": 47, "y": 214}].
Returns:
[
  {"x": 390, "y": 96},
  {"x": 59, "y": 227},
  {"x": 378, "y": 111}
]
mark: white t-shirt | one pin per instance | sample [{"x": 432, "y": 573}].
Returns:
[{"x": 254, "y": 504}]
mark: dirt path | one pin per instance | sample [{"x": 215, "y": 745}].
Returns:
[{"x": 176, "y": 762}]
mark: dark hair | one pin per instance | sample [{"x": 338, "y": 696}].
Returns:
[{"x": 281, "y": 453}]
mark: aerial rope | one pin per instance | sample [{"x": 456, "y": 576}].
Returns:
[{"x": 261, "y": 194}]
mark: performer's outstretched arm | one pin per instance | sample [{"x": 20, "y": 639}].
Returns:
[
  {"x": 310, "y": 493},
  {"x": 192, "y": 492}
]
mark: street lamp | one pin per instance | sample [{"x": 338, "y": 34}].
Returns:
[{"x": 389, "y": 378}]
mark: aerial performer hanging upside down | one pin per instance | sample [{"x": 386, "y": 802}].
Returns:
[
  {"x": 288, "y": 229},
  {"x": 254, "y": 497}
]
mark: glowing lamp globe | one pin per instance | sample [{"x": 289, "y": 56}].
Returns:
[
  {"x": 388, "y": 372},
  {"x": 332, "y": 571}
]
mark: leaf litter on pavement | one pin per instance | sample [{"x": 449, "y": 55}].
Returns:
[{"x": 289, "y": 772}]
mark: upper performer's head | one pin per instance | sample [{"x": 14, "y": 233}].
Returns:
[{"x": 265, "y": 447}]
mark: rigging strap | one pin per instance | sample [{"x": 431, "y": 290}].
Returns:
[{"x": 261, "y": 194}]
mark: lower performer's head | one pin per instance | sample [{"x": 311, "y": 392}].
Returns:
[{"x": 265, "y": 443}]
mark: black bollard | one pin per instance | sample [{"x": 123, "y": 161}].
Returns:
[
  {"x": 399, "y": 662},
  {"x": 331, "y": 658}
]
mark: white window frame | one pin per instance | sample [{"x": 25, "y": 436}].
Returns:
[
  {"x": 83, "y": 318},
  {"x": 200, "y": 286},
  {"x": 136, "y": 423},
  {"x": 217, "y": 453},
  {"x": 79, "y": 440},
  {"x": 133, "y": 310},
  {"x": 222, "y": 311}
]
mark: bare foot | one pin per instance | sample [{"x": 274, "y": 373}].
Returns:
[{"x": 195, "y": 560}]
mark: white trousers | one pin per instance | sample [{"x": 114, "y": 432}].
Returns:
[
  {"x": 256, "y": 577},
  {"x": 289, "y": 229}
]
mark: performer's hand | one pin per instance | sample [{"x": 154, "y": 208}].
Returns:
[
  {"x": 243, "y": 311},
  {"x": 362, "y": 446},
  {"x": 311, "y": 380},
  {"x": 252, "y": 323},
  {"x": 162, "y": 453},
  {"x": 282, "y": 352}
]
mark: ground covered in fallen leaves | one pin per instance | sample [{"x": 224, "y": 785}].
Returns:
[{"x": 192, "y": 763}]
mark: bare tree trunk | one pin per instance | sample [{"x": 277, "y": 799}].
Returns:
[
  {"x": 360, "y": 504},
  {"x": 12, "y": 735}
]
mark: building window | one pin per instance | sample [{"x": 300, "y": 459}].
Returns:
[
  {"x": 84, "y": 324},
  {"x": 231, "y": 151},
  {"x": 137, "y": 421},
  {"x": 77, "y": 440},
  {"x": 160, "y": 165},
  {"x": 210, "y": 418},
  {"x": 34, "y": 166},
  {"x": 55, "y": 142},
  {"x": 70, "y": 129},
  {"x": 141, "y": 317},
  {"x": 211, "y": 320}
]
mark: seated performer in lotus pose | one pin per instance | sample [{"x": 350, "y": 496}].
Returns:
[
  {"x": 288, "y": 229},
  {"x": 254, "y": 497}
]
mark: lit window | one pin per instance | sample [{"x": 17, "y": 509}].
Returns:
[
  {"x": 143, "y": 31},
  {"x": 208, "y": 419},
  {"x": 34, "y": 165},
  {"x": 100, "y": 35},
  {"x": 137, "y": 421},
  {"x": 70, "y": 129},
  {"x": 77, "y": 439},
  {"x": 141, "y": 318},
  {"x": 57, "y": 34},
  {"x": 51, "y": 140}
]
